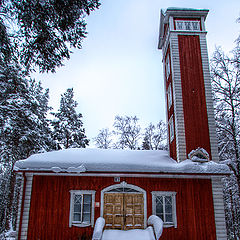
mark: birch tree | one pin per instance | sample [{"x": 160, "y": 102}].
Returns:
[
  {"x": 154, "y": 136},
  {"x": 225, "y": 71},
  {"x": 104, "y": 139},
  {"x": 128, "y": 132}
]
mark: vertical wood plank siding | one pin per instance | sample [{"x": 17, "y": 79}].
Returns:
[
  {"x": 170, "y": 110},
  {"x": 50, "y": 202},
  {"x": 193, "y": 92}
]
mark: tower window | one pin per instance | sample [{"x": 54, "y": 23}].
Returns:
[
  {"x": 169, "y": 96},
  {"x": 192, "y": 25},
  {"x": 168, "y": 69},
  {"x": 171, "y": 129}
]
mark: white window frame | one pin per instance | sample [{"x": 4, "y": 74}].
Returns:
[
  {"x": 187, "y": 25},
  {"x": 168, "y": 66},
  {"x": 171, "y": 129},
  {"x": 81, "y": 192},
  {"x": 156, "y": 194},
  {"x": 169, "y": 96}
]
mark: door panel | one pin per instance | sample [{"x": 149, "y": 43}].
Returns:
[
  {"x": 123, "y": 210},
  {"x": 134, "y": 211},
  {"x": 113, "y": 210}
]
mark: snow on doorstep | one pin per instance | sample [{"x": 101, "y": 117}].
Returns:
[
  {"x": 134, "y": 234},
  {"x": 78, "y": 160}
]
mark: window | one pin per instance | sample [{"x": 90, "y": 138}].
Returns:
[
  {"x": 81, "y": 208},
  {"x": 171, "y": 129},
  {"x": 187, "y": 25},
  {"x": 168, "y": 70},
  {"x": 169, "y": 95},
  {"x": 164, "y": 206}
]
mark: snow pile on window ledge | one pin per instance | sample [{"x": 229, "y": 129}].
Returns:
[{"x": 79, "y": 160}]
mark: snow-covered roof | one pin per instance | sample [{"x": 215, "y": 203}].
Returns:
[{"x": 78, "y": 160}]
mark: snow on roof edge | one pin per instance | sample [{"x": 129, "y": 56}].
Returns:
[{"x": 114, "y": 160}]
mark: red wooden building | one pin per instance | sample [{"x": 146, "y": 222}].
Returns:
[{"x": 64, "y": 192}]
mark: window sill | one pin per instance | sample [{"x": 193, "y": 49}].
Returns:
[
  {"x": 81, "y": 224},
  {"x": 169, "y": 225}
]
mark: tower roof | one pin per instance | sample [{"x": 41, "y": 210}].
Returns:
[{"x": 178, "y": 12}]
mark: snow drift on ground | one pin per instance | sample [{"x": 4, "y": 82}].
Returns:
[{"x": 134, "y": 234}]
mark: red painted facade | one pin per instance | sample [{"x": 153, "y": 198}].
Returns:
[
  {"x": 193, "y": 94},
  {"x": 170, "y": 109},
  {"x": 50, "y": 205}
]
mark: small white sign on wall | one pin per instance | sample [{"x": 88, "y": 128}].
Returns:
[{"x": 116, "y": 179}]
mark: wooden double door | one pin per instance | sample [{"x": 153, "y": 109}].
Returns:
[{"x": 123, "y": 210}]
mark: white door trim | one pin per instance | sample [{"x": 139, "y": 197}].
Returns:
[{"x": 124, "y": 184}]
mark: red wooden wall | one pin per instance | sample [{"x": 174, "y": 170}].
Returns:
[
  {"x": 193, "y": 92},
  {"x": 170, "y": 110},
  {"x": 50, "y": 203}
]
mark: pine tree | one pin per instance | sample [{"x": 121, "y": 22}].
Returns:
[
  {"x": 41, "y": 33},
  {"x": 68, "y": 128},
  {"x": 23, "y": 130}
]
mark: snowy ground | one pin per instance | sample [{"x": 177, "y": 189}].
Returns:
[
  {"x": 10, "y": 235},
  {"x": 134, "y": 234}
]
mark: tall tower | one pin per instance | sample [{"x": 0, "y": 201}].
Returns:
[{"x": 190, "y": 113}]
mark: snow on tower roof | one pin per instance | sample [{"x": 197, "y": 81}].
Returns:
[{"x": 78, "y": 160}]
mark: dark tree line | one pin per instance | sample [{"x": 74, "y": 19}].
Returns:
[
  {"x": 26, "y": 129},
  {"x": 128, "y": 134}
]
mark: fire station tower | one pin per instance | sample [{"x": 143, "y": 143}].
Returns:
[{"x": 190, "y": 113}]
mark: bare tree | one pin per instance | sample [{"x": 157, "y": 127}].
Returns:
[
  {"x": 226, "y": 86},
  {"x": 103, "y": 139},
  {"x": 128, "y": 131},
  {"x": 154, "y": 136}
]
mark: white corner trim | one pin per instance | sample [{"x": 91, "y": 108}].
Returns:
[
  {"x": 177, "y": 98},
  {"x": 174, "y": 211},
  {"x": 124, "y": 184},
  {"x": 209, "y": 99},
  {"x": 219, "y": 212},
  {"x": 19, "y": 204},
  {"x": 26, "y": 207},
  {"x": 72, "y": 192}
]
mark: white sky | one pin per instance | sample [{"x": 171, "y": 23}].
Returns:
[{"x": 119, "y": 69}]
